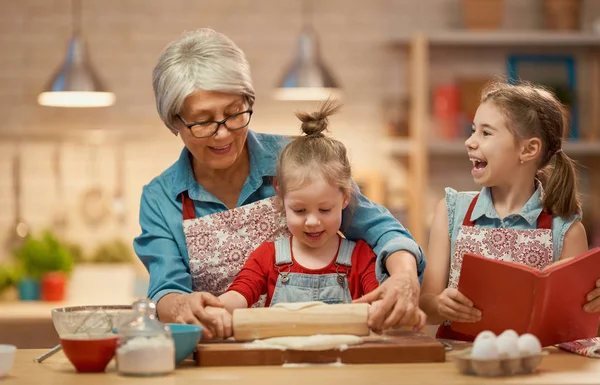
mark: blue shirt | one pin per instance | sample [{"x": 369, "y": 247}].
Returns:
[
  {"x": 162, "y": 248},
  {"x": 484, "y": 215}
]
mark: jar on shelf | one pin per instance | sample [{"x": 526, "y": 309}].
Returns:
[
  {"x": 562, "y": 15},
  {"x": 145, "y": 346},
  {"x": 483, "y": 14}
]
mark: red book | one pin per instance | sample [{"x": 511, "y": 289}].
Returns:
[{"x": 546, "y": 303}]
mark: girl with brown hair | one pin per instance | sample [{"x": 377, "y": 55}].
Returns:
[{"x": 528, "y": 210}]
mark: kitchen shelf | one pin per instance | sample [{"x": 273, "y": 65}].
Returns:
[
  {"x": 418, "y": 148},
  {"x": 525, "y": 38}
]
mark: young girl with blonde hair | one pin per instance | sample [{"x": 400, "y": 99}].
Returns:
[{"x": 315, "y": 263}]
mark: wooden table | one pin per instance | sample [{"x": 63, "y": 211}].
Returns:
[{"x": 557, "y": 368}]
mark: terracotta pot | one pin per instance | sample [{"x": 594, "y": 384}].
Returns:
[{"x": 53, "y": 286}]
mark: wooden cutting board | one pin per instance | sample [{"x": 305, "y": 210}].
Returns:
[{"x": 396, "y": 347}]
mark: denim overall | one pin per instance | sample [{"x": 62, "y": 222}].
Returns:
[{"x": 302, "y": 287}]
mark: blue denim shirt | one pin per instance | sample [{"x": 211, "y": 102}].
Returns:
[
  {"x": 162, "y": 248},
  {"x": 485, "y": 215}
]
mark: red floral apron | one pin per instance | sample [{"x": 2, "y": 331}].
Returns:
[
  {"x": 219, "y": 244},
  {"x": 530, "y": 247}
]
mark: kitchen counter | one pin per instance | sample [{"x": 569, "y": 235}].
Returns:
[{"x": 557, "y": 368}]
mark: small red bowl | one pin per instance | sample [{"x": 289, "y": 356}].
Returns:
[{"x": 90, "y": 355}]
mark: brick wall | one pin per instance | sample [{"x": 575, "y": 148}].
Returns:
[{"x": 124, "y": 39}]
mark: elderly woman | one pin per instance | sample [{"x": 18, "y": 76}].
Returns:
[{"x": 203, "y": 216}]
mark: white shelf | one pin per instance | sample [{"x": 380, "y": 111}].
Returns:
[
  {"x": 401, "y": 147},
  {"x": 529, "y": 38}
]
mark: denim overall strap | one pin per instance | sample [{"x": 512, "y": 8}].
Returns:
[
  {"x": 344, "y": 257},
  {"x": 303, "y": 287},
  {"x": 283, "y": 251}
]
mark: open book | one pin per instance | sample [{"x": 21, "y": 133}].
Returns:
[{"x": 547, "y": 303}]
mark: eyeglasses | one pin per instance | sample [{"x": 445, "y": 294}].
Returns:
[{"x": 211, "y": 127}]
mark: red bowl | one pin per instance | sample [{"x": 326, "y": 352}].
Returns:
[{"x": 89, "y": 355}]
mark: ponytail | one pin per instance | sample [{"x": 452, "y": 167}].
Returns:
[{"x": 561, "y": 191}]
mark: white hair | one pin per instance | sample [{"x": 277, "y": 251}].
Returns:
[{"x": 199, "y": 60}]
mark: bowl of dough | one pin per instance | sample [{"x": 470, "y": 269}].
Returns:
[{"x": 504, "y": 355}]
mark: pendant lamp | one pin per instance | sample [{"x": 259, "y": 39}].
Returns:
[
  {"x": 75, "y": 83},
  {"x": 308, "y": 77}
]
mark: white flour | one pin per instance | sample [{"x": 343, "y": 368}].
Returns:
[{"x": 146, "y": 356}]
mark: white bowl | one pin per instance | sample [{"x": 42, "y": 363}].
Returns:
[{"x": 7, "y": 358}]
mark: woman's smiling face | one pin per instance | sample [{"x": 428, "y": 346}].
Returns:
[{"x": 221, "y": 150}]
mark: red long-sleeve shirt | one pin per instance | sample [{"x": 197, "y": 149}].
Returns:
[{"x": 259, "y": 274}]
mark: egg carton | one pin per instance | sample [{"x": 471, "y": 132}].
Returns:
[{"x": 497, "y": 367}]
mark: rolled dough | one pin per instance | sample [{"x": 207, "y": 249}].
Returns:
[{"x": 316, "y": 342}]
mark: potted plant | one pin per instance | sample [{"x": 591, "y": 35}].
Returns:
[
  {"x": 44, "y": 263},
  {"x": 8, "y": 282},
  {"x": 104, "y": 276}
]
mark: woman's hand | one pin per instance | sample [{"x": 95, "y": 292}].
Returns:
[
  {"x": 222, "y": 322},
  {"x": 593, "y": 300},
  {"x": 397, "y": 304},
  {"x": 416, "y": 324},
  {"x": 399, "y": 295},
  {"x": 190, "y": 309},
  {"x": 454, "y": 306}
]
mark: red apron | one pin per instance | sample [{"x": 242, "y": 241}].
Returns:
[
  {"x": 219, "y": 244},
  {"x": 530, "y": 247}
]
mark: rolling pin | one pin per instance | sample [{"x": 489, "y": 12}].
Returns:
[{"x": 300, "y": 319}]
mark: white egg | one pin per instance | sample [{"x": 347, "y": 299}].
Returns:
[
  {"x": 507, "y": 344},
  {"x": 486, "y": 334},
  {"x": 511, "y": 333},
  {"x": 485, "y": 349},
  {"x": 529, "y": 345}
]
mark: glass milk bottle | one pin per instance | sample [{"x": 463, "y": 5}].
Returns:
[{"x": 145, "y": 346}]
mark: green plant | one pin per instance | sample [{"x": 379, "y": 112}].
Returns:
[
  {"x": 9, "y": 276},
  {"x": 115, "y": 251},
  {"x": 77, "y": 252},
  {"x": 42, "y": 254}
]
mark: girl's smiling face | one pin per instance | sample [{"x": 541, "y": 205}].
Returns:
[
  {"x": 314, "y": 211},
  {"x": 492, "y": 147}
]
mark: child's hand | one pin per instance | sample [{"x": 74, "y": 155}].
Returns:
[
  {"x": 593, "y": 299},
  {"x": 454, "y": 306},
  {"x": 221, "y": 326}
]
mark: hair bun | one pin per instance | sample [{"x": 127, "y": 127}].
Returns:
[
  {"x": 313, "y": 124},
  {"x": 314, "y": 127}
]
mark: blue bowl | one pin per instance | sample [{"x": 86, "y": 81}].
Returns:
[{"x": 186, "y": 338}]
